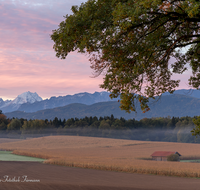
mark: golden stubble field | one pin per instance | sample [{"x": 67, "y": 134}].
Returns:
[{"x": 108, "y": 154}]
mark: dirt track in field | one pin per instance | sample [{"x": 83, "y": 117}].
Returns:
[{"x": 64, "y": 178}]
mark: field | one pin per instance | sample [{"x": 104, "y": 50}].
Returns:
[{"x": 108, "y": 154}]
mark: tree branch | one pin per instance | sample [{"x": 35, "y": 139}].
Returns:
[{"x": 183, "y": 45}]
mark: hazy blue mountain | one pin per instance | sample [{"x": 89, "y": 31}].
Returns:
[
  {"x": 31, "y": 102},
  {"x": 53, "y": 102},
  {"x": 187, "y": 92},
  {"x": 168, "y": 105},
  {"x": 84, "y": 98},
  {"x": 4, "y": 103},
  {"x": 1, "y": 102}
]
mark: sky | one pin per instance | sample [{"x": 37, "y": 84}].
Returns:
[{"x": 27, "y": 58}]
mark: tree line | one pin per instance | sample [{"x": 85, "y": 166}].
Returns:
[{"x": 168, "y": 129}]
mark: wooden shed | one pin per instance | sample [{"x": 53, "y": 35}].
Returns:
[{"x": 162, "y": 155}]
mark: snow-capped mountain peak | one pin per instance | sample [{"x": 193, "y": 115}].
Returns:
[
  {"x": 31, "y": 102},
  {"x": 27, "y": 97}
]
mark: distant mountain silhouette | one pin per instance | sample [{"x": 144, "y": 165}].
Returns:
[
  {"x": 31, "y": 102},
  {"x": 53, "y": 102},
  {"x": 168, "y": 105},
  {"x": 187, "y": 92}
]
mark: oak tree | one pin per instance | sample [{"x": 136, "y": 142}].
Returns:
[{"x": 131, "y": 43}]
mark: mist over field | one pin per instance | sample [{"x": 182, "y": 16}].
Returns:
[{"x": 170, "y": 135}]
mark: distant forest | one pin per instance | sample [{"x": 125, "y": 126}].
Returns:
[{"x": 168, "y": 129}]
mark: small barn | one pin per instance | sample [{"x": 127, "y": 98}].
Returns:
[{"x": 162, "y": 155}]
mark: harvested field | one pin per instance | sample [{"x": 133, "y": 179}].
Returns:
[
  {"x": 109, "y": 154},
  {"x": 64, "y": 178}
]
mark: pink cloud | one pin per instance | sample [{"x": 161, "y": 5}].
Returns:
[
  {"x": 48, "y": 75},
  {"x": 27, "y": 59}
]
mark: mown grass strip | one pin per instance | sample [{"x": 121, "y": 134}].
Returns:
[{"x": 8, "y": 156}]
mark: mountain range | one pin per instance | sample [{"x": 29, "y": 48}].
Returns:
[
  {"x": 181, "y": 103},
  {"x": 187, "y": 92},
  {"x": 32, "y": 102},
  {"x": 169, "y": 105}
]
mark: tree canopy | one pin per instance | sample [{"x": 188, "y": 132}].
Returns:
[
  {"x": 147, "y": 129},
  {"x": 131, "y": 42}
]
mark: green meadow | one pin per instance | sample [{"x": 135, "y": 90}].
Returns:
[{"x": 8, "y": 156}]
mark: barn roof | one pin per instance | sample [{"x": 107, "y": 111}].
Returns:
[{"x": 164, "y": 153}]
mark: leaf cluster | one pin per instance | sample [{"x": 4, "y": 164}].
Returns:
[{"x": 131, "y": 42}]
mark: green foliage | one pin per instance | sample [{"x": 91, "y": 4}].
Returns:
[
  {"x": 33, "y": 125},
  {"x": 3, "y": 126},
  {"x": 132, "y": 42},
  {"x": 69, "y": 122},
  {"x": 95, "y": 124},
  {"x": 15, "y": 124},
  {"x": 104, "y": 124},
  {"x": 196, "y": 131},
  {"x": 173, "y": 157}
]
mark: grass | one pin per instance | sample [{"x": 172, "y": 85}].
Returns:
[
  {"x": 190, "y": 157},
  {"x": 192, "y": 161},
  {"x": 109, "y": 154},
  {"x": 8, "y": 156}
]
